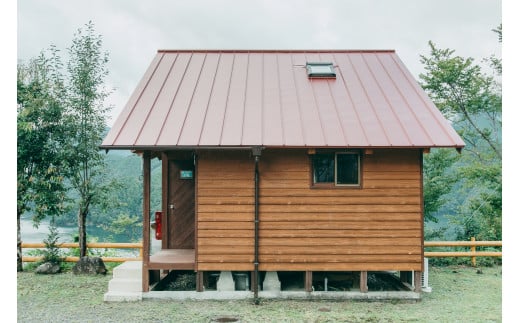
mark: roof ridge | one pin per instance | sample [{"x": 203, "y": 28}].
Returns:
[{"x": 276, "y": 50}]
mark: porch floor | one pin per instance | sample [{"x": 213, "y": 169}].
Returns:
[{"x": 169, "y": 259}]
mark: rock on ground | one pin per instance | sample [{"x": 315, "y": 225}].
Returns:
[
  {"x": 48, "y": 268},
  {"x": 90, "y": 266}
]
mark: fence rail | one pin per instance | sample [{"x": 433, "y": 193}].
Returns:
[
  {"x": 91, "y": 245},
  {"x": 473, "y": 253}
]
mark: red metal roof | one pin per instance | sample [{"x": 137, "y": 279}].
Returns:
[{"x": 234, "y": 98}]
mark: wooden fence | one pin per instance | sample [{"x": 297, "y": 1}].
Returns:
[
  {"x": 473, "y": 253},
  {"x": 92, "y": 245}
]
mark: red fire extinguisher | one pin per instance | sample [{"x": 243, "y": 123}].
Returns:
[{"x": 158, "y": 225}]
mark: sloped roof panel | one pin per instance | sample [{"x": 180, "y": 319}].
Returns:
[
  {"x": 272, "y": 117},
  {"x": 265, "y": 98},
  {"x": 121, "y": 123}
]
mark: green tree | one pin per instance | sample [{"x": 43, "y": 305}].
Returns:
[
  {"x": 467, "y": 96},
  {"x": 438, "y": 180},
  {"x": 40, "y": 139},
  {"x": 86, "y": 119},
  {"x": 125, "y": 226},
  {"x": 471, "y": 99}
]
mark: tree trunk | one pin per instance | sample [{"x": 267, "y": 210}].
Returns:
[
  {"x": 19, "y": 243},
  {"x": 82, "y": 228}
]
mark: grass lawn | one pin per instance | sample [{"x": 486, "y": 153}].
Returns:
[{"x": 458, "y": 294}]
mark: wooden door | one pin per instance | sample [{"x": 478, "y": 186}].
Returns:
[{"x": 181, "y": 204}]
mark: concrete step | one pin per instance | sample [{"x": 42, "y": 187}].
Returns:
[
  {"x": 125, "y": 285},
  {"x": 127, "y": 278},
  {"x": 128, "y": 270},
  {"x": 123, "y": 296}
]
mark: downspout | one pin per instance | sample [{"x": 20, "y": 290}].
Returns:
[{"x": 256, "y": 154}]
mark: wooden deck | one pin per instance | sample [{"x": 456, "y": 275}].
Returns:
[{"x": 173, "y": 259}]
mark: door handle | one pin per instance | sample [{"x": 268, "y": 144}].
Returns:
[{"x": 171, "y": 207}]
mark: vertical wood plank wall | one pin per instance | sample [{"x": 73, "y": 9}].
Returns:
[{"x": 377, "y": 227}]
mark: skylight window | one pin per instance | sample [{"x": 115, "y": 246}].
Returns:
[{"x": 320, "y": 69}]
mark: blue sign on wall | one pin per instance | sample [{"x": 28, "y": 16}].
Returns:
[{"x": 186, "y": 174}]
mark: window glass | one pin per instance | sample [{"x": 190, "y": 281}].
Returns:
[
  {"x": 347, "y": 169},
  {"x": 320, "y": 69},
  {"x": 323, "y": 168}
]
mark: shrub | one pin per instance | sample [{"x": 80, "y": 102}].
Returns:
[{"x": 51, "y": 253}]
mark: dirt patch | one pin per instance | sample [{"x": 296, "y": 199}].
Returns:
[{"x": 225, "y": 318}]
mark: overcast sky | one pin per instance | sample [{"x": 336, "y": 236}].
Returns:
[{"x": 134, "y": 30}]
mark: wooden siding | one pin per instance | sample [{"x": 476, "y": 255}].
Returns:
[
  {"x": 225, "y": 211},
  {"x": 376, "y": 227}
]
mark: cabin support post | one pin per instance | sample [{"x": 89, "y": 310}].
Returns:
[
  {"x": 363, "y": 282},
  {"x": 164, "y": 197},
  {"x": 146, "y": 220},
  {"x": 256, "y": 153},
  {"x": 308, "y": 281},
  {"x": 200, "y": 281},
  {"x": 417, "y": 279}
]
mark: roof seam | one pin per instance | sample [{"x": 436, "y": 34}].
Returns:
[
  {"x": 354, "y": 108},
  {"x": 173, "y": 100},
  {"x": 370, "y": 101},
  {"x": 406, "y": 101},
  {"x": 191, "y": 100},
  {"x": 396, "y": 116},
  {"x": 280, "y": 108},
  {"x": 298, "y": 99},
  {"x": 137, "y": 100},
  {"x": 245, "y": 100},
  {"x": 209, "y": 98},
  {"x": 323, "y": 133},
  {"x": 227, "y": 99},
  {"x": 415, "y": 86},
  {"x": 336, "y": 108},
  {"x": 155, "y": 100}
]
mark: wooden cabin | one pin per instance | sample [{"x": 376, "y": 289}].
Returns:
[{"x": 275, "y": 161}]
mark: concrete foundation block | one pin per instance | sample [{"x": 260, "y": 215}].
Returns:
[
  {"x": 225, "y": 282},
  {"x": 271, "y": 282}
]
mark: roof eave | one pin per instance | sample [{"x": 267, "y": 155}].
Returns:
[{"x": 246, "y": 147}]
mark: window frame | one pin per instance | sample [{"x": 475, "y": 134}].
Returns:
[
  {"x": 320, "y": 70},
  {"x": 335, "y": 185}
]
